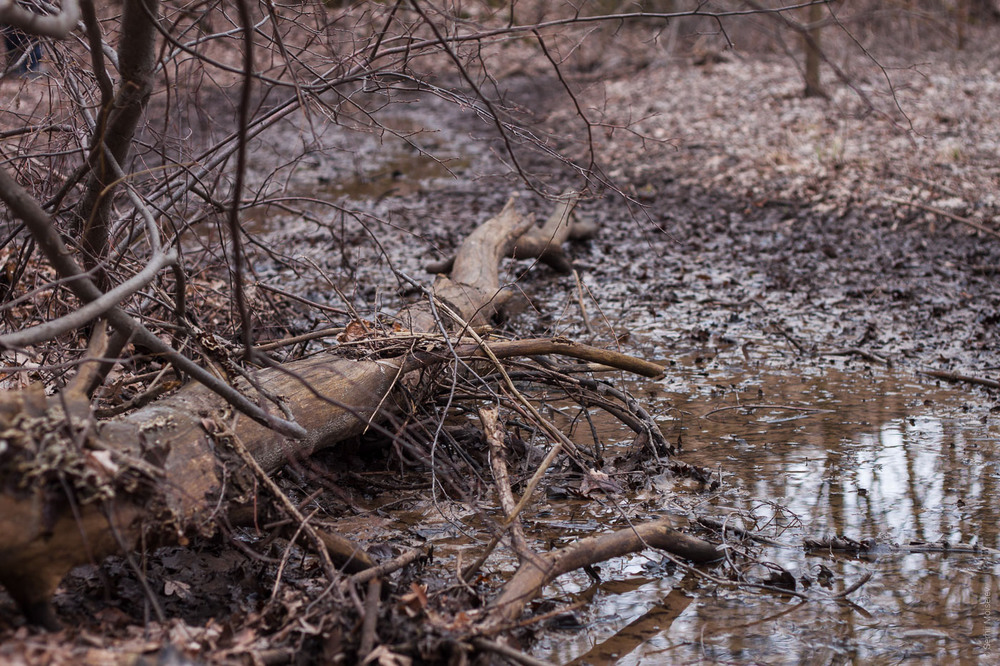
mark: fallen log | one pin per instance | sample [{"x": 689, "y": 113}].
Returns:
[
  {"x": 544, "y": 243},
  {"x": 74, "y": 490},
  {"x": 538, "y": 571}
]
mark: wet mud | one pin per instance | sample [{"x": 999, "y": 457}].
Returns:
[{"x": 795, "y": 330}]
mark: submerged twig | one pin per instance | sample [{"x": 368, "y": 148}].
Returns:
[
  {"x": 945, "y": 214},
  {"x": 956, "y": 377}
]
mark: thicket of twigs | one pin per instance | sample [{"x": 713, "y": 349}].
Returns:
[{"x": 133, "y": 171}]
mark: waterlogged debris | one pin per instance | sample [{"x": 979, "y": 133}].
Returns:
[
  {"x": 594, "y": 480},
  {"x": 901, "y": 469},
  {"x": 873, "y": 547}
]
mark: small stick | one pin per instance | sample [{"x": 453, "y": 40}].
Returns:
[
  {"x": 951, "y": 216},
  {"x": 517, "y": 656},
  {"x": 368, "y": 635},
  {"x": 541, "y": 347},
  {"x": 286, "y": 555},
  {"x": 928, "y": 183},
  {"x": 304, "y": 301},
  {"x": 786, "y": 407},
  {"x": 955, "y": 377},
  {"x": 305, "y": 337},
  {"x": 241, "y": 450},
  {"x": 864, "y": 579},
  {"x": 389, "y": 566},
  {"x": 857, "y": 351},
  {"x": 583, "y": 307},
  {"x": 846, "y": 544},
  {"x": 141, "y": 400},
  {"x": 489, "y": 416},
  {"x": 716, "y": 524},
  {"x": 780, "y": 330}
]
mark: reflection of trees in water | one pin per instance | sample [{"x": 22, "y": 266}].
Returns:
[{"x": 879, "y": 467}]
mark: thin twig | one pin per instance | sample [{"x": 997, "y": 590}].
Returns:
[
  {"x": 861, "y": 581},
  {"x": 508, "y": 652},
  {"x": 227, "y": 432},
  {"x": 792, "y": 408},
  {"x": 951, "y": 216},
  {"x": 368, "y": 635},
  {"x": 386, "y": 568},
  {"x": 955, "y": 377}
]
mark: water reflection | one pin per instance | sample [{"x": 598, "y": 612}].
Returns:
[{"x": 887, "y": 459}]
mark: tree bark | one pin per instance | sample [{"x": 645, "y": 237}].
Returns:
[
  {"x": 117, "y": 123},
  {"x": 811, "y": 40}
]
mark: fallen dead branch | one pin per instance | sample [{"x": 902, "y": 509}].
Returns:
[
  {"x": 533, "y": 576},
  {"x": 161, "y": 472},
  {"x": 871, "y": 357},
  {"x": 725, "y": 528},
  {"x": 544, "y": 243},
  {"x": 947, "y": 215},
  {"x": 960, "y": 378},
  {"x": 865, "y": 547},
  {"x": 754, "y": 407}
]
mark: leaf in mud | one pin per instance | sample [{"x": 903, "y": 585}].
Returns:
[
  {"x": 414, "y": 602},
  {"x": 594, "y": 480},
  {"x": 356, "y": 330},
  {"x": 461, "y": 622},
  {"x": 177, "y": 588}
]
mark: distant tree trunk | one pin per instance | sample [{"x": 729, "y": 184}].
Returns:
[
  {"x": 961, "y": 21},
  {"x": 811, "y": 38},
  {"x": 969, "y": 12},
  {"x": 985, "y": 11},
  {"x": 116, "y": 125}
]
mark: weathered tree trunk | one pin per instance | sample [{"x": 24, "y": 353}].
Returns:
[
  {"x": 117, "y": 122},
  {"x": 811, "y": 40}
]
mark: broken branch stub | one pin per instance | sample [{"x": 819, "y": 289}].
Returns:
[{"x": 544, "y": 243}]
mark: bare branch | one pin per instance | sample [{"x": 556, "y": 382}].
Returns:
[
  {"x": 92, "y": 310},
  {"x": 40, "y": 225}
]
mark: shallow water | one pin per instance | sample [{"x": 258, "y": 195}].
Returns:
[{"x": 877, "y": 456}]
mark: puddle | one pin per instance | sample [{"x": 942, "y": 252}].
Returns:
[
  {"x": 400, "y": 174},
  {"x": 831, "y": 452}
]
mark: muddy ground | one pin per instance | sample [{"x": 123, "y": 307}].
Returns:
[
  {"x": 750, "y": 227},
  {"x": 735, "y": 211}
]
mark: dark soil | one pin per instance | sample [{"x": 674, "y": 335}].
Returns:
[{"x": 749, "y": 215}]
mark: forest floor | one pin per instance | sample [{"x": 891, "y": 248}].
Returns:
[
  {"x": 755, "y": 224},
  {"x": 737, "y": 212}
]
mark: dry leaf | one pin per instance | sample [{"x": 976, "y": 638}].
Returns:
[
  {"x": 177, "y": 588},
  {"x": 414, "y": 602},
  {"x": 383, "y": 656},
  {"x": 355, "y": 330}
]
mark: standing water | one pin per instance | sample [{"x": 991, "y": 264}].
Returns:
[{"x": 861, "y": 454}]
